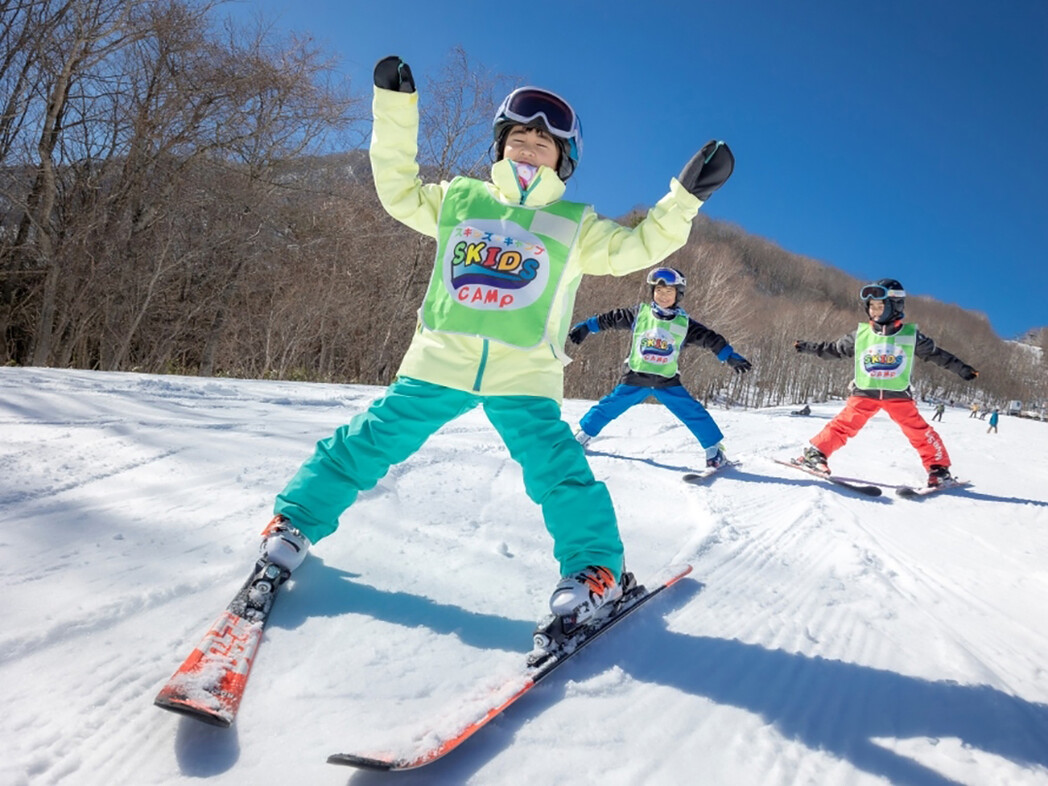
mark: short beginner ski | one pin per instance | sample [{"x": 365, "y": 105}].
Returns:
[
  {"x": 861, "y": 487},
  {"x": 208, "y": 686},
  {"x": 708, "y": 472},
  {"x": 919, "y": 492},
  {"x": 532, "y": 675}
]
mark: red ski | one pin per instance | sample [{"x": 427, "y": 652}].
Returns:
[
  {"x": 531, "y": 677},
  {"x": 209, "y": 685}
]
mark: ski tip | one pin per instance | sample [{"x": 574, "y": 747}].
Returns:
[
  {"x": 869, "y": 491},
  {"x": 195, "y": 711},
  {"x": 698, "y": 477},
  {"x": 678, "y": 572}
]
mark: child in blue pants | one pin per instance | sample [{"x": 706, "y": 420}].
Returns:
[
  {"x": 661, "y": 329},
  {"x": 510, "y": 253}
]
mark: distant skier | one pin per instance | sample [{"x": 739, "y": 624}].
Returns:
[
  {"x": 993, "y": 422},
  {"x": 661, "y": 329},
  {"x": 884, "y": 348},
  {"x": 974, "y": 410},
  {"x": 509, "y": 255},
  {"x": 803, "y": 411},
  {"x": 939, "y": 409}
]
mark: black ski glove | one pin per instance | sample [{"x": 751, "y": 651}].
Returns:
[
  {"x": 968, "y": 373},
  {"x": 708, "y": 170},
  {"x": 738, "y": 363},
  {"x": 578, "y": 333},
  {"x": 392, "y": 73}
]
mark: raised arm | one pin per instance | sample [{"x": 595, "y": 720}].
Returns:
[
  {"x": 606, "y": 247},
  {"x": 394, "y": 149}
]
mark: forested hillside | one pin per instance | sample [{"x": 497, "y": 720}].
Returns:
[{"x": 164, "y": 208}]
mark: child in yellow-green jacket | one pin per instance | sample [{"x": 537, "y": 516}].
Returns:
[{"x": 492, "y": 326}]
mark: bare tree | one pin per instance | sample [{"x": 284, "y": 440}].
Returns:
[{"x": 171, "y": 200}]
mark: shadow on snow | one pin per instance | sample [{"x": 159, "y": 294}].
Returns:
[{"x": 826, "y": 705}]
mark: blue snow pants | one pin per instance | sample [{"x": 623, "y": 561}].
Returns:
[
  {"x": 677, "y": 400},
  {"x": 577, "y": 508}
]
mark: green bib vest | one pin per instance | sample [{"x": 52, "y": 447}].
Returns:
[
  {"x": 657, "y": 342},
  {"x": 884, "y": 362},
  {"x": 498, "y": 266}
]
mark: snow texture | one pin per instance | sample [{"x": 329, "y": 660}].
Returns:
[{"x": 823, "y": 637}]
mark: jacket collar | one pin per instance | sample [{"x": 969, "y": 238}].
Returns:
[
  {"x": 886, "y": 330},
  {"x": 664, "y": 313},
  {"x": 545, "y": 188}
]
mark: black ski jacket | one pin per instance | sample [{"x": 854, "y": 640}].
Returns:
[
  {"x": 698, "y": 334},
  {"x": 925, "y": 349}
]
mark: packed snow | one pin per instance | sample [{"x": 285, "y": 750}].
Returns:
[{"x": 823, "y": 637}]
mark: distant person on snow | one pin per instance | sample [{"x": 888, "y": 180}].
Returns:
[
  {"x": 510, "y": 253},
  {"x": 884, "y": 349},
  {"x": 993, "y": 422},
  {"x": 661, "y": 329},
  {"x": 974, "y": 410},
  {"x": 803, "y": 411},
  {"x": 939, "y": 409}
]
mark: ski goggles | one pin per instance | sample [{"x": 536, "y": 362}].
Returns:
[
  {"x": 528, "y": 103},
  {"x": 878, "y": 292},
  {"x": 668, "y": 277}
]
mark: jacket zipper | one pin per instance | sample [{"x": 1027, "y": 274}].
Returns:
[{"x": 480, "y": 367}]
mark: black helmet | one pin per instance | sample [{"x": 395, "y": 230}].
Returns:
[
  {"x": 891, "y": 292},
  {"x": 670, "y": 277}
]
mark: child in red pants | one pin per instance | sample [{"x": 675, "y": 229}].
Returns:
[{"x": 884, "y": 349}]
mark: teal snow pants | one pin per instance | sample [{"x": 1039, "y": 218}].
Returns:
[{"x": 576, "y": 507}]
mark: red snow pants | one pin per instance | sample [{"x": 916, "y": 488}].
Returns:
[{"x": 858, "y": 409}]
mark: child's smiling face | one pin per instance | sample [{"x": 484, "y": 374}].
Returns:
[
  {"x": 531, "y": 146},
  {"x": 664, "y": 296}
]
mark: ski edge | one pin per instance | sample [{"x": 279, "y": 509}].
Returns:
[
  {"x": 362, "y": 762},
  {"x": 867, "y": 489},
  {"x": 665, "y": 579},
  {"x": 429, "y": 756}
]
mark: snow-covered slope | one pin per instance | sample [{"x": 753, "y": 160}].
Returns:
[{"x": 823, "y": 638}]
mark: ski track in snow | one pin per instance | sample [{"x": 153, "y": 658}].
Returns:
[{"x": 823, "y": 638}]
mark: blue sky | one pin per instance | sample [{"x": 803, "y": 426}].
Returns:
[{"x": 900, "y": 138}]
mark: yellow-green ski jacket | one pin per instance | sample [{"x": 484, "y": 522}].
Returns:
[{"x": 481, "y": 365}]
